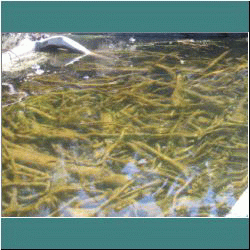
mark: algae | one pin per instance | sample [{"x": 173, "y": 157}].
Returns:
[{"x": 66, "y": 143}]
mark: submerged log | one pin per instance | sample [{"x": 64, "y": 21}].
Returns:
[
  {"x": 27, "y": 48},
  {"x": 61, "y": 42}
]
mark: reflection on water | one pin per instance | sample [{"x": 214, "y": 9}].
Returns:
[
  {"x": 140, "y": 128},
  {"x": 146, "y": 207}
]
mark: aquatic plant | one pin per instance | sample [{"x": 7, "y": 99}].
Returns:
[{"x": 186, "y": 117}]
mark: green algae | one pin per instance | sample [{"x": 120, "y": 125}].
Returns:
[{"x": 188, "y": 121}]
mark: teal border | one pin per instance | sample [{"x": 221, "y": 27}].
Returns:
[
  {"x": 122, "y": 16},
  {"x": 100, "y": 233}
]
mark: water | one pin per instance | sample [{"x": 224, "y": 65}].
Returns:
[{"x": 144, "y": 127}]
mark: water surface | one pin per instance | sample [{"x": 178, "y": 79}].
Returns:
[{"x": 144, "y": 128}]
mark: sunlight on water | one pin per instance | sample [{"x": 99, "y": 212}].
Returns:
[{"x": 139, "y": 127}]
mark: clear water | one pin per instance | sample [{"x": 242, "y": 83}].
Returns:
[{"x": 144, "y": 127}]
